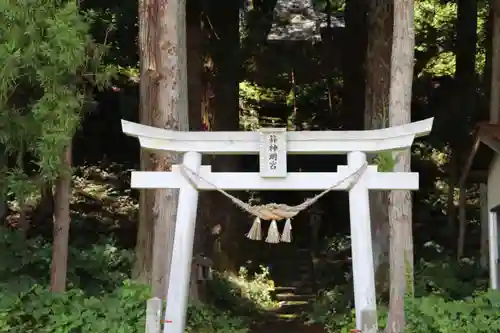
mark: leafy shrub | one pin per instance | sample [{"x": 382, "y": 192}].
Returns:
[
  {"x": 243, "y": 294},
  {"x": 100, "y": 267},
  {"x": 479, "y": 314},
  {"x": 430, "y": 314},
  {"x": 94, "y": 303},
  {"x": 328, "y": 304},
  {"x": 450, "y": 279},
  {"x": 40, "y": 311},
  {"x": 443, "y": 303},
  {"x": 202, "y": 318},
  {"x": 335, "y": 312}
]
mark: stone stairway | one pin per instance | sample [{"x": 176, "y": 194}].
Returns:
[{"x": 297, "y": 287}]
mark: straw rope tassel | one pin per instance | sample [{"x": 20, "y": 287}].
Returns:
[
  {"x": 255, "y": 232},
  {"x": 286, "y": 236},
  {"x": 273, "y": 234}
]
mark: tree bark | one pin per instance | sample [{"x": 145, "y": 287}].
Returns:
[
  {"x": 170, "y": 112},
  {"x": 194, "y": 39},
  {"x": 495, "y": 65},
  {"x": 462, "y": 225},
  {"x": 353, "y": 63},
  {"x": 483, "y": 206},
  {"x": 400, "y": 208},
  {"x": 148, "y": 94},
  {"x": 62, "y": 220},
  {"x": 378, "y": 77},
  {"x": 163, "y": 98},
  {"x": 224, "y": 76},
  {"x": 465, "y": 76}
]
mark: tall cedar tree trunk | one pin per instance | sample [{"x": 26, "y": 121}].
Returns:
[
  {"x": 224, "y": 115},
  {"x": 400, "y": 205},
  {"x": 195, "y": 89},
  {"x": 148, "y": 92},
  {"x": 495, "y": 65},
  {"x": 170, "y": 112},
  {"x": 353, "y": 62},
  {"x": 378, "y": 69},
  {"x": 466, "y": 82},
  {"x": 62, "y": 219}
]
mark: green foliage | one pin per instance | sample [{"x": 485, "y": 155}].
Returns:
[
  {"x": 94, "y": 269},
  {"x": 254, "y": 99},
  {"x": 385, "y": 161},
  {"x": 476, "y": 314},
  {"x": 47, "y": 59},
  {"x": 123, "y": 310},
  {"x": 450, "y": 280},
  {"x": 39, "y": 310},
  {"x": 329, "y": 6},
  {"x": 329, "y": 304},
  {"x": 443, "y": 303},
  {"x": 334, "y": 311},
  {"x": 473, "y": 315},
  {"x": 101, "y": 299},
  {"x": 203, "y": 318},
  {"x": 243, "y": 294},
  {"x": 435, "y": 27}
]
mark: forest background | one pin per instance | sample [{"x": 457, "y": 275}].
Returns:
[{"x": 70, "y": 72}]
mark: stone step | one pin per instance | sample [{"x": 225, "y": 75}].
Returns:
[
  {"x": 288, "y": 297},
  {"x": 284, "y": 289},
  {"x": 294, "y": 290},
  {"x": 293, "y": 308}
]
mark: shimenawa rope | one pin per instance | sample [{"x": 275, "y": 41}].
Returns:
[{"x": 272, "y": 212}]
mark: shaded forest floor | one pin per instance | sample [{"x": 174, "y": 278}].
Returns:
[{"x": 104, "y": 207}]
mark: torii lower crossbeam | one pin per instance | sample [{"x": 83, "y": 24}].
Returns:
[{"x": 302, "y": 181}]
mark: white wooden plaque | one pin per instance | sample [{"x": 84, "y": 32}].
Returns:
[{"x": 273, "y": 152}]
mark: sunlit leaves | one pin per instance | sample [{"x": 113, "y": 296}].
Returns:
[
  {"x": 46, "y": 52},
  {"x": 442, "y": 64},
  {"x": 435, "y": 27}
]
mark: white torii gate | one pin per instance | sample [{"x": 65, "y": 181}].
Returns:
[{"x": 272, "y": 145}]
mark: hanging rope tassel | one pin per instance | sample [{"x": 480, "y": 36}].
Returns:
[
  {"x": 255, "y": 232},
  {"x": 273, "y": 234},
  {"x": 286, "y": 236}
]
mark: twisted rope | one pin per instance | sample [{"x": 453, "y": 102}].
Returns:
[{"x": 273, "y": 211}]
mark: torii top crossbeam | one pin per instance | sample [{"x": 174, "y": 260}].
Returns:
[{"x": 300, "y": 142}]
